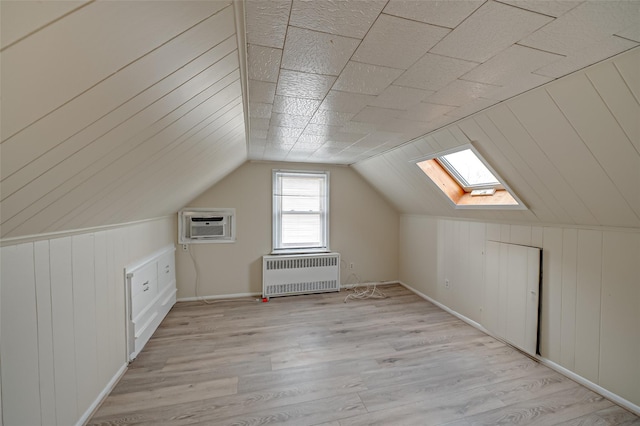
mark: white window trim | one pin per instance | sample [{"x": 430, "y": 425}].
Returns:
[{"x": 275, "y": 229}]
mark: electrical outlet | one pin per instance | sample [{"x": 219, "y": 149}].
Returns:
[
  {"x": 185, "y": 247},
  {"x": 446, "y": 283},
  {"x": 351, "y": 265}
]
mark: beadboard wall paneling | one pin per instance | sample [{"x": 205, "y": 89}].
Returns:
[
  {"x": 590, "y": 293},
  {"x": 62, "y": 319}
]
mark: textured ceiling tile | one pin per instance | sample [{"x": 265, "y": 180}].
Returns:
[
  {"x": 426, "y": 112},
  {"x": 359, "y": 127},
  {"x": 510, "y": 65},
  {"x": 295, "y": 106},
  {"x": 584, "y": 26},
  {"x": 490, "y": 29},
  {"x": 263, "y": 63},
  {"x": 471, "y": 107},
  {"x": 345, "y": 101},
  {"x": 399, "y": 125},
  {"x": 303, "y": 85},
  {"x": 514, "y": 87},
  {"x": 289, "y": 120},
  {"x": 397, "y": 42},
  {"x": 630, "y": 33},
  {"x": 347, "y": 18},
  {"x": 309, "y": 140},
  {"x": 376, "y": 115},
  {"x": 579, "y": 59},
  {"x": 334, "y": 118},
  {"x": 346, "y": 138},
  {"x": 259, "y": 110},
  {"x": 284, "y": 134},
  {"x": 433, "y": 72},
  {"x": 365, "y": 78},
  {"x": 319, "y": 53},
  {"x": 321, "y": 129},
  {"x": 397, "y": 97},
  {"x": 266, "y": 22},
  {"x": 547, "y": 7},
  {"x": 443, "y": 13},
  {"x": 379, "y": 138},
  {"x": 460, "y": 92},
  {"x": 262, "y": 91}
]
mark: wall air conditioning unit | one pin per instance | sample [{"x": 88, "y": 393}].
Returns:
[{"x": 204, "y": 225}]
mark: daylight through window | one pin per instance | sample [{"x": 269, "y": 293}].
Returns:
[{"x": 300, "y": 211}]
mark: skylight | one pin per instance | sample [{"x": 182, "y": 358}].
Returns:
[
  {"x": 468, "y": 170},
  {"x": 468, "y": 180}
]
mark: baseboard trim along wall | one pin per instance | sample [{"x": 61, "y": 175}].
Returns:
[
  {"x": 219, "y": 297},
  {"x": 102, "y": 396},
  {"x": 546, "y": 362}
]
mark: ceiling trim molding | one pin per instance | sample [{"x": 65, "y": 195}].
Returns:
[{"x": 241, "y": 36}]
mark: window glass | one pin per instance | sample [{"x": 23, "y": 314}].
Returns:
[{"x": 300, "y": 211}]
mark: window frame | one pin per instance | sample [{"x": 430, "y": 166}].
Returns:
[
  {"x": 459, "y": 195},
  {"x": 464, "y": 184},
  {"x": 277, "y": 246}
]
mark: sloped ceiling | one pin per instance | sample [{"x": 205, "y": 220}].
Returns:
[
  {"x": 339, "y": 81},
  {"x": 570, "y": 150},
  {"x": 115, "y": 111}
]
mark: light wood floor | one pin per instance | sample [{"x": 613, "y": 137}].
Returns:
[{"x": 314, "y": 360}]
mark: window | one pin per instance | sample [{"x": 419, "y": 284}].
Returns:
[
  {"x": 468, "y": 181},
  {"x": 300, "y": 211}
]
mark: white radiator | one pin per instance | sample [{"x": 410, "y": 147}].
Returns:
[{"x": 284, "y": 275}]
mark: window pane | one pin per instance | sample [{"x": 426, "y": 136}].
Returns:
[
  {"x": 470, "y": 168},
  {"x": 301, "y": 230},
  {"x": 301, "y": 194}
]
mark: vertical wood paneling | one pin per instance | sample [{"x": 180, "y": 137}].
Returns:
[
  {"x": 619, "y": 336},
  {"x": 476, "y": 284},
  {"x": 589, "y": 275},
  {"x": 516, "y": 305},
  {"x": 63, "y": 331},
  {"x": 19, "y": 351},
  {"x": 492, "y": 286},
  {"x": 569, "y": 284},
  {"x": 520, "y": 234},
  {"x": 104, "y": 336},
  {"x": 551, "y": 321},
  {"x": 536, "y": 236},
  {"x": 503, "y": 289},
  {"x": 84, "y": 302},
  {"x": 45, "y": 332},
  {"x": 493, "y": 232}
]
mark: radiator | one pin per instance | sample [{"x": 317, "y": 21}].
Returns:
[{"x": 284, "y": 275}]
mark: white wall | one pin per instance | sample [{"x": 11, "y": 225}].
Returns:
[
  {"x": 62, "y": 319},
  {"x": 364, "y": 229},
  {"x": 590, "y": 296}
]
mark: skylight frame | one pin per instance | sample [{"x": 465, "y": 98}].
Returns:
[
  {"x": 458, "y": 194},
  {"x": 458, "y": 176}
]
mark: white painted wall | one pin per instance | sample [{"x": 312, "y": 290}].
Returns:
[
  {"x": 364, "y": 229},
  {"x": 62, "y": 319},
  {"x": 590, "y": 297}
]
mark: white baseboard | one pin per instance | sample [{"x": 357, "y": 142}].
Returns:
[
  {"x": 101, "y": 396},
  {"x": 218, "y": 297},
  {"x": 589, "y": 384},
  {"x": 617, "y": 399}
]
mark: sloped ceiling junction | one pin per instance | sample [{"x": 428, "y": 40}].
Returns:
[{"x": 117, "y": 111}]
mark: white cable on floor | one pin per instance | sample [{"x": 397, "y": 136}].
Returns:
[{"x": 364, "y": 291}]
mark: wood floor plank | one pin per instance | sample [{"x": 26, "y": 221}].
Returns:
[{"x": 315, "y": 360}]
